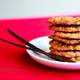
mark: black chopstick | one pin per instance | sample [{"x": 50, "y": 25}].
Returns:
[
  {"x": 12, "y": 43},
  {"x": 25, "y": 42},
  {"x": 21, "y": 39}
]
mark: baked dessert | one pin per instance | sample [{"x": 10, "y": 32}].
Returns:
[
  {"x": 65, "y": 28},
  {"x": 60, "y": 46},
  {"x": 68, "y": 35},
  {"x": 65, "y": 37},
  {"x": 65, "y": 20},
  {"x": 65, "y": 40}
]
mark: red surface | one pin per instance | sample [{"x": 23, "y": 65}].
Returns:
[{"x": 15, "y": 63}]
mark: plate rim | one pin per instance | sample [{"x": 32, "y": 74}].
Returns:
[{"x": 44, "y": 59}]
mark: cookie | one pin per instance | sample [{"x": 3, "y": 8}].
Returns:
[
  {"x": 60, "y": 46},
  {"x": 64, "y": 28},
  {"x": 68, "y": 56},
  {"x": 65, "y": 41},
  {"x": 64, "y": 20},
  {"x": 68, "y": 35}
]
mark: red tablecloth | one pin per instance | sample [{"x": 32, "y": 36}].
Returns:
[{"x": 15, "y": 63}]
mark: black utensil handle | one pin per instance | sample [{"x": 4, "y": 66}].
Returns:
[
  {"x": 18, "y": 45},
  {"x": 19, "y": 38},
  {"x": 25, "y": 42}
]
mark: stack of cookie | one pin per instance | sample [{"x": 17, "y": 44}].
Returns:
[{"x": 65, "y": 39}]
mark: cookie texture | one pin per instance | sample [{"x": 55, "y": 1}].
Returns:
[{"x": 65, "y": 41}]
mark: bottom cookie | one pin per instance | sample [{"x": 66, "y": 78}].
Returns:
[{"x": 69, "y": 56}]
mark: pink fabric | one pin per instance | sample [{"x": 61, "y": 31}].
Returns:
[{"x": 16, "y": 64}]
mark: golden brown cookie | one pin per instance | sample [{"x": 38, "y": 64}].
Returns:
[
  {"x": 73, "y": 56},
  {"x": 65, "y": 29},
  {"x": 59, "y": 46},
  {"x": 68, "y": 20},
  {"x": 65, "y": 41},
  {"x": 68, "y": 35}
]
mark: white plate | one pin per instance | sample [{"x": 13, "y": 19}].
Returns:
[{"x": 42, "y": 43}]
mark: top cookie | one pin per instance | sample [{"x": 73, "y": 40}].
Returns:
[{"x": 64, "y": 20}]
